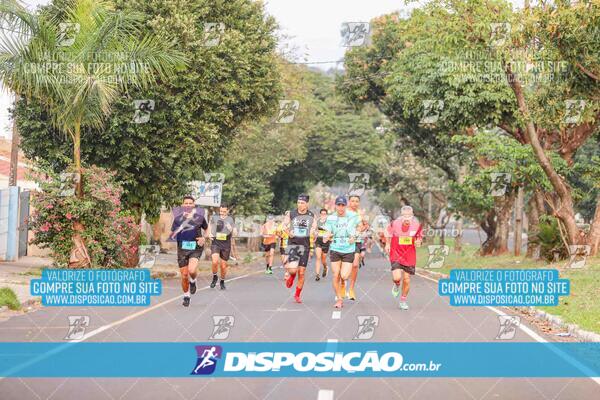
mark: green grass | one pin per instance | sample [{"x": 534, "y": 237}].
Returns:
[
  {"x": 581, "y": 307},
  {"x": 9, "y": 298},
  {"x": 32, "y": 272}
]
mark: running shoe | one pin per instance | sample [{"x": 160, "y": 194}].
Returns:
[
  {"x": 268, "y": 271},
  {"x": 339, "y": 304},
  {"x": 214, "y": 281},
  {"x": 395, "y": 290},
  {"x": 403, "y": 305},
  {"x": 192, "y": 287},
  {"x": 297, "y": 299},
  {"x": 222, "y": 284},
  {"x": 186, "y": 301},
  {"x": 324, "y": 271},
  {"x": 290, "y": 281},
  {"x": 351, "y": 294},
  {"x": 317, "y": 278}
]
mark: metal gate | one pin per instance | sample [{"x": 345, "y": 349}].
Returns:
[{"x": 4, "y": 198}]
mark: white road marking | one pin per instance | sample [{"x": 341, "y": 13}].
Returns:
[
  {"x": 108, "y": 326},
  {"x": 525, "y": 329},
  {"x": 336, "y": 315},
  {"x": 147, "y": 310},
  {"x": 325, "y": 394}
]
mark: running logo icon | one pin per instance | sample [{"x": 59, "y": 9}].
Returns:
[
  {"x": 67, "y": 33},
  {"x": 143, "y": 109},
  {"x": 437, "y": 255},
  {"x": 207, "y": 359},
  {"x": 573, "y": 111},
  {"x": 366, "y": 327},
  {"x": 68, "y": 182},
  {"x": 213, "y": 33},
  {"x": 359, "y": 182},
  {"x": 147, "y": 255},
  {"x": 508, "y": 326},
  {"x": 77, "y": 326},
  {"x": 500, "y": 184},
  {"x": 578, "y": 255},
  {"x": 355, "y": 33},
  {"x": 287, "y": 111},
  {"x": 500, "y": 32},
  {"x": 223, "y": 325},
  {"x": 431, "y": 111}
]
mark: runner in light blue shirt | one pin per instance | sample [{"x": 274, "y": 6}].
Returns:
[{"x": 341, "y": 231}]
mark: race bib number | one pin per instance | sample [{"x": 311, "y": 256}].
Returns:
[
  {"x": 405, "y": 240},
  {"x": 340, "y": 241},
  {"x": 322, "y": 232},
  {"x": 221, "y": 236},
  {"x": 300, "y": 232},
  {"x": 188, "y": 245}
]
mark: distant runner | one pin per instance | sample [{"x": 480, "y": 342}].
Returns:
[
  {"x": 321, "y": 247},
  {"x": 221, "y": 231},
  {"x": 403, "y": 234},
  {"x": 341, "y": 232},
  {"x": 187, "y": 230},
  {"x": 269, "y": 234},
  {"x": 299, "y": 224},
  {"x": 283, "y": 241}
]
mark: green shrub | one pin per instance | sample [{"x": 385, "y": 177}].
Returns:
[
  {"x": 110, "y": 234},
  {"x": 9, "y": 298},
  {"x": 549, "y": 239}
]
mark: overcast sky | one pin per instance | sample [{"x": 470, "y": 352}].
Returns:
[{"x": 313, "y": 27}]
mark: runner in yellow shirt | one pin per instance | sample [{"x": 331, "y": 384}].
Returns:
[{"x": 269, "y": 234}]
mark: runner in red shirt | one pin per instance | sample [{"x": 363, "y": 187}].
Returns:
[{"x": 403, "y": 234}]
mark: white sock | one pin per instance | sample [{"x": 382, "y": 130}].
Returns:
[
  {"x": 192, "y": 280},
  {"x": 186, "y": 294}
]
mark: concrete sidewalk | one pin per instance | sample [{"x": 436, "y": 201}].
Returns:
[{"x": 17, "y": 275}]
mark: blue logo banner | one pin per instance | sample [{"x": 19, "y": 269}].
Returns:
[
  {"x": 504, "y": 287},
  {"x": 296, "y": 359},
  {"x": 100, "y": 287}
]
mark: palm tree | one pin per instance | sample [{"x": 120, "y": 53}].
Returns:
[{"x": 78, "y": 60}]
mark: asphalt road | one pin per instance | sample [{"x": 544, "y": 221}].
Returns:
[{"x": 263, "y": 310}]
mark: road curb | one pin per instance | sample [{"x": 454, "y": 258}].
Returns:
[{"x": 554, "y": 321}]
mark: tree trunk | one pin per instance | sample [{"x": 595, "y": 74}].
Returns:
[
  {"x": 79, "y": 255},
  {"x": 77, "y": 158},
  {"x": 489, "y": 227},
  {"x": 462, "y": 172},
  {"x": 156, "y": 234},
  {"x": 518, "y": 231},
  {"x": 594, "y": 235},
  {"x": 533, "y": 216},
  {"x": 503, "y": 207},
  {"x": 14, "y": 149},
  {"x": 564, "y": 212}
]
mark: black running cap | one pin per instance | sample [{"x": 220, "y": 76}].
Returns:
[{"x": 303, "y": 197}]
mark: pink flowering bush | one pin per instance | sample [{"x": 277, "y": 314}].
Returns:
[{"x": 111, "y": 235}]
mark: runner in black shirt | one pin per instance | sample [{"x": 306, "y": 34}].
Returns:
[
  {"x": 299, "y": 224},
  {"x": 187, "y": 230},
  {"x": 221, "y": 231}
]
